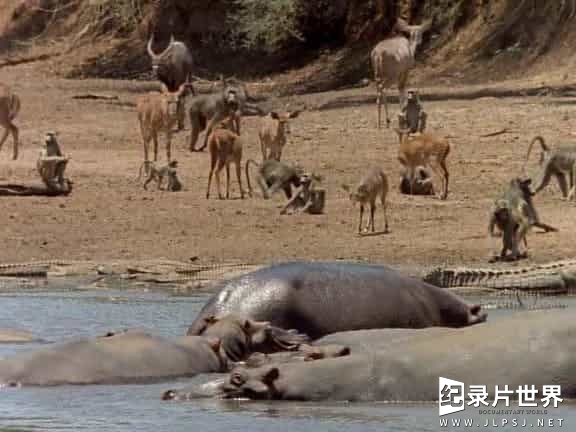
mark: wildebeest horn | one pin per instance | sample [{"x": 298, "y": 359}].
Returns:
[
  {"x": 402, "y": 25},
  {"x": 149, "y": 46},
  {"x": 168, "y": 48},
  {"x": 425, "y": 26}
]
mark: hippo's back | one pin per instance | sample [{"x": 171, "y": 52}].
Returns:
[{"x": 325, "y": 297}]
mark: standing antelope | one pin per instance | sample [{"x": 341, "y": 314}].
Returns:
[
  {"x": 392, "y": 59},
  {"x": 274, "y": 132},
  {"x": 424, "y": 150},
  {"x": 158, "y": 112},
  {"x": 9, "y": 109}
]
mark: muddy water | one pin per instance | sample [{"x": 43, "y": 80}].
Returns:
[{"x": 56, "y": 315}]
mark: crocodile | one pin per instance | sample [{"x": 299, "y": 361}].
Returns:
[{"x": 557, "y": 277}]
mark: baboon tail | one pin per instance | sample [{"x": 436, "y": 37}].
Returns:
[
  {"x": 247, "y": 172},
  {"x": 543, "y": 145}
]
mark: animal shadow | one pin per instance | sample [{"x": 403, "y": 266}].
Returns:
[{"x": 374, "y": 234}]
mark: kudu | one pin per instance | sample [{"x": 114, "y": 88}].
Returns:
[
  {"x": 392, "y": 59},
  {"x": 173, "y": 67}
]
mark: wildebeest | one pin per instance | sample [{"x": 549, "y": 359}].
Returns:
[{"x": 173, "y": 67}]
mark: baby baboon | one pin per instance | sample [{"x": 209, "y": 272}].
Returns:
[
  {"x": 273, "y": 176},
  {"x": 225, "y": 148},
  {"x": 206, "y": 111},
  {"x": 374, "y": 184},
  {"x": 514, "y": 213},
  {"x": 412, "y": 116},
  {"x": 557, "y": 162},
  {"x": 306, "y": 198},
  {"x": 168, "y": 172},
  {"x": 421, "y": 184}
]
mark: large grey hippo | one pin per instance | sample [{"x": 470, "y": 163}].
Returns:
[
  {"x": 528, "y": 348},
  {"x": 132, "y": 356},
  {"x": 317, "y": 298}
]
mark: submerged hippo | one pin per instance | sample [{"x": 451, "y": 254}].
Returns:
[
  {"x": 530, "y": 348},
  {"x": 317, "y": 298},
  {"x": 131, "y": 356}
]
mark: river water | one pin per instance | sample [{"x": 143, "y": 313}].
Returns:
[{"x": 60, "y": 314}]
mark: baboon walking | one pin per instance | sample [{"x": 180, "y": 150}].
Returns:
[
  {"x": 372, "y": 186},
  {"x": 168, "y": 173},
  {"x": 557, "y": 162},
  {"x": 273, "y": 176},
  {"x": 207, "y": 111},
  {"x": 514, "y": 214}
]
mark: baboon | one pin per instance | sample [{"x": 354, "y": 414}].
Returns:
[
  {"x": 372, "y": 186},
  {"x": 225, "y": 148},
  {"x": 306, "y": 198},
  {"x": 168, "y": 173},
  {"x": 9, "y": 109},
  {"x": 421, "y": 185},
  {"x": 273, "y": 133},
  {"x": 157, "y": 112},
  {"x": 557, "y": 162},
  {"x": 514, "y": 214},
  {"x": 424, "y": 150},
  {"x": 412, "y": 116},
  {"x": 273, "y": 176},
  {"x": 53, "y": 173},
  {"x": 206, "y": 111}
]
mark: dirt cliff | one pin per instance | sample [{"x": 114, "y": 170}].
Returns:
[{"x": 313, "y": 46}]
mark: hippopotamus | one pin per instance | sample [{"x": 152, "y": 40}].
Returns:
[
  {"x": 379, "y": 339},
  {"x": 528, "y": 348},
  {"x": 317, "y": 298},
  {"x": 305, "y": 352},
  {"x": 17, "y": 336},
  {"x": 126, "y": 357}
]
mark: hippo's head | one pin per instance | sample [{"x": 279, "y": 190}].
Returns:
[
  {"x": 240, "y": 337},
  {"x": 236, "y": 334},
  {"x": 256, "y": 383}
]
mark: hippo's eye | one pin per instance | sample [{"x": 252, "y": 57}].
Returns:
[{"x": 237, "y": 379}]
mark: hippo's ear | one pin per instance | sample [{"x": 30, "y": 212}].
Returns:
[
  {"x": 270, "y": 376},
  {"x": 211, "y": 319},
  {"x": 274, "y": 115},
  {"x": 252, "y": 327}
]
